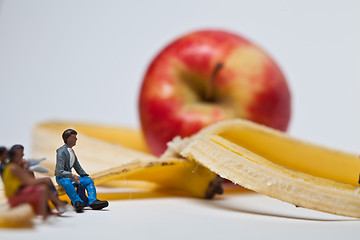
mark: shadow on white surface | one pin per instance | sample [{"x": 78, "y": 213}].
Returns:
[{"x": 248, "y": 202}]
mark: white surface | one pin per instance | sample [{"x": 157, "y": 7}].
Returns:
[
  {"x": 243, "y": 216},
  {"x": 84, "y": 60}
]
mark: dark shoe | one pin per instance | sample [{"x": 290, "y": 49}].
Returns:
[
  {"x": 79, "y": 207},
  {"x": 97, "y": 204}
]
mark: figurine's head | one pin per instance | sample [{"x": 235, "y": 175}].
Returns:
[
  {"x": 69, "y": 137},
  {"x": 3, "y": 154},
  {"x": 16, "y": 154}
]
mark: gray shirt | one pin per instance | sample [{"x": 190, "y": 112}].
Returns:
[{"x": 63, "y": 167}]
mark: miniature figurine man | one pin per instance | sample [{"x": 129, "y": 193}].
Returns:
[{"x": 65, "y": 161}]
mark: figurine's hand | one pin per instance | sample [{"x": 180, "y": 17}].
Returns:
[
  {"x": 76, "y": 178},
  {"x": 45, "y": 180}
]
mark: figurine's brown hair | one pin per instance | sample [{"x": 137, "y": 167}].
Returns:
[
  {"x": 66, "y": 134},
  {"x": 13, "y": 149},
  {"x": 2, "y": 150}
]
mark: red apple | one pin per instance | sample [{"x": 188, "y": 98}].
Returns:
[{"x": 208, "y": 76}]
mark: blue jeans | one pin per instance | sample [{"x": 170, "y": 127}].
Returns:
[{"x": 86, "y": 182}]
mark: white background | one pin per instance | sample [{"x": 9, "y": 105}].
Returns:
[{"x": 85, "y": 60}]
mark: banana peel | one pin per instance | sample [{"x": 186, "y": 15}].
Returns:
[
  {"x": 18, "y": 217},
  {"x": 168, "y": 174},
  {"x": 272, "y": 163}
]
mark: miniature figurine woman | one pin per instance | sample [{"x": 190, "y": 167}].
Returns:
[{"x": 21, "y": 187}]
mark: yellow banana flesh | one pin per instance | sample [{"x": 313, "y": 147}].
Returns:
[
  {"x": 132, "y": 184},
  {"x": 270, "y": 162}
]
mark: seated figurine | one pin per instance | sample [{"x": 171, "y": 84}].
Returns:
[
  {"x": 22, "y": 187},
  {"x": 65, "y": 161}
]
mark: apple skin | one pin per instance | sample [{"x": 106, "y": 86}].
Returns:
[{"x": 249, "y": 86}]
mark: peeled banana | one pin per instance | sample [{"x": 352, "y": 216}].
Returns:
[
  {"x": 271, "y": 162},
  {"x": 253, "y": 156}
]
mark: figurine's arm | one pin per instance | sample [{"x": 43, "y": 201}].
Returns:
[
  {"x": 79, "y": 169},
  {"x": 60, "y": 165},
  {"x": 25, "y": 177}
]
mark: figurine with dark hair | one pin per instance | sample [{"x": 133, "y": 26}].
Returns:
[
  {"x": 21, "y": 187},
  {"x": 65, "y": 161},
  {"x": 3, "y": 157}
]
